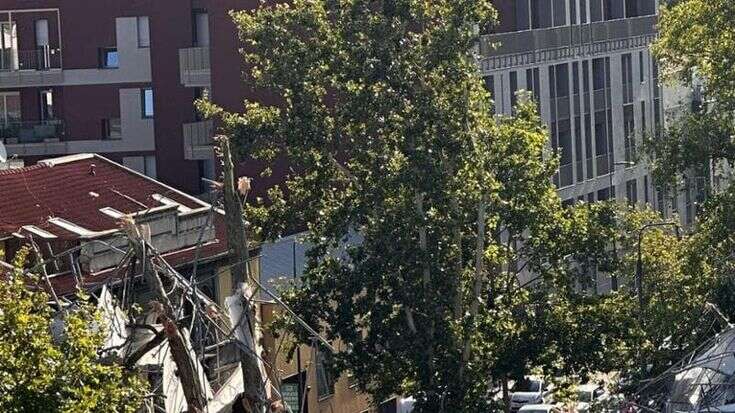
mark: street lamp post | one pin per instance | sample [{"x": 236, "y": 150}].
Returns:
[{"x": 639, "y": 262}]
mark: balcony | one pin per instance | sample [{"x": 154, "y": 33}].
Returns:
[
  {"x": 30, "y": 67},
  {"x": 33, "y": 137},
  {"x": 194, "y": 67},
  {"x": 15, "y": 132},
  {"x": 198, "y": 142},
  {"x": 539, "y": 46}
]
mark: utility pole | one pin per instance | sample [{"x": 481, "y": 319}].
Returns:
[
  {"x": 185, "y": 365},
  {"x": 254, "y": 391}
]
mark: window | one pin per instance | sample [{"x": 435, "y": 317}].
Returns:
[
  {"x": 144, "y": 34},
  {"x": 533, "y": 83},
  {"x": 627, "y": 68},
  {"x": 522, "y": 15},
  {"x": 631, "y": 191},
  {"x": 643, "y": 118},
  {"x": 324, "y": 379},
  {"x": 513, "y": 89},
  {"x": 47, "y": 104},
  {"x": 645, "y": 189},
  {"x": 598, "y": 74},
  {"x": 560, "y": 12},
  {"x": 490, "y": 87},
  {"x": 629, "y": 131},
  {"x": 109, "y": 58},
  {"x": 540, "y": 14},
  {"x": 201, "y": 29},
  {"x": 111, "y": 129},
  {"x": 147, "y": 102},
  {"x": 641, "y": 65},
  {"x": 43, "y": 54}
]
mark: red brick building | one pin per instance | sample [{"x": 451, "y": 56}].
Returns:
[{"x": 118, "y": 78}]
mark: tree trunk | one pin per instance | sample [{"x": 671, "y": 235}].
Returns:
[{"x": 254, "y": 391}]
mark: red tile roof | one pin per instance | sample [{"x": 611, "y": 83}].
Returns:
[{"x": 75, "y": 188}]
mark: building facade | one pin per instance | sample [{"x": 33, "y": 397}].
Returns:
[
  {"x": 118, "y": 78},
  {"x": 588, "y": 66}
]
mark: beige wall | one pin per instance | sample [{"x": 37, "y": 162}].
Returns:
[{"x": 345, "y": 398}]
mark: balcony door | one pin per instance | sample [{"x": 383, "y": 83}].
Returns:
[
  {"x": 9, "y": 115},
  {"x": 9, "y": 107},
  {"x": 8, "y": 46},
  {"x": 43, "y": 52}
]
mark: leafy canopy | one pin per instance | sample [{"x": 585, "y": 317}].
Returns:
[
  {"x": 41, "y": 373},
  {"x": 461, "y": 272}
]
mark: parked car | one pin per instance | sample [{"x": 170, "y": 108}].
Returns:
[
  {"x": 531, "y": 390},
  {"x": 540, "y": 408},
  {"x": 589, "y": 394}
]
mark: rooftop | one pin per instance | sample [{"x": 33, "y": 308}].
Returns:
[{"x": 81, "y": 196}]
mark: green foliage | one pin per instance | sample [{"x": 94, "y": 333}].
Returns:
[
  {"x": 696, "y": 39},
  {"x": 698, "y": 36},
  {"x": 39, "y": 373},
  {"x": 385, "y": 121},
  {"x": 688, "y": 144}
]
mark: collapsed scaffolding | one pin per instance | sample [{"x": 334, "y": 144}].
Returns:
[{"x": 703, "y": 381}]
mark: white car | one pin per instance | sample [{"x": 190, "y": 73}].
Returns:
[
  {"x": 588, "y": 394},
  {"x": 540, "y": 408},
  {"x": 529, "y": 391}
]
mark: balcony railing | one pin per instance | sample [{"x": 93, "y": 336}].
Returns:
[
  {"x": 194, "y": 66},
  {"x": 15, "y": 132},
  {"x": 43, "y": 58},
  {"x": 198, "y": 142}
]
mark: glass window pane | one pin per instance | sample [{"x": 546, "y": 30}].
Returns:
[{"x": 148, "y": 103}]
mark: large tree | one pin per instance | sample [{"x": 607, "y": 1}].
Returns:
[
  {"x": 41, "y": 372},
  {"x": 464, "y": 262},
  {"x": 696, "y": 48}
]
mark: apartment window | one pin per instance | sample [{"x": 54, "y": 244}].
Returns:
[
  {"x": 588, "y": 145},
  {"x": 46, "y": 98},
  {"x": 144, "y": 33},
  {"x": 522, "y": 15},
  {"x": 601, "y": 143},
  {"x": 631, "y": 191},
  {"x": 565, "y": 152},
  {"x": 560, "y": 12},
  {"x": 490, "y": 87},
  {"x": 324, "y": 379},
  {"x": 111, "y": 129},
  {"x": 582, "y": 11},
  {"x": 150, "y": 166},
  {"x": 573, "y": 11},
  {"x": 595, "y": 10},
  {"x": 201, "y": 29},
  {"x": 513, "y": 89},
  {"x": 598, "y": 74},
  {"x": 147, "y": 102},
  {"x": 627, "y": 68},
  {"x": 533, "y": 83},
  {"x": 540, "y": 14},
  {"x": 578, "y": 150},
  {"x": 109, "y": 58},
  {"x": 641, "y": 66},
  {"x": 629, "y": 130},
  {"x": 604, "y": 194},
  {"x": 612, "y": 9},
  {"x": 645, "y": 189},
  {"x": 644, "y": 126},
  {"x": 43, "y": 54}
]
